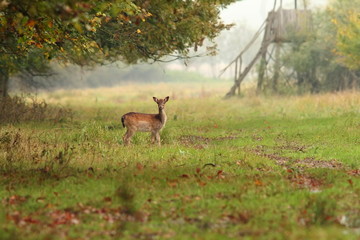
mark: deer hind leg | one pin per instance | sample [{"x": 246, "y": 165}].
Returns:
[{"x": 127, "y": 136}]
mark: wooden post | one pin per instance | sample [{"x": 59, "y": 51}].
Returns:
[
  {"x": 239, "y": 73},
  {"x": 305, "y": 4},
  {"x": 236, "y": 70},
  {"x": 261, "y": 74},
  {"x": 268, "y": 38}
]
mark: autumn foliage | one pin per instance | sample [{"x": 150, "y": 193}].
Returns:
[
  {"x": 91, "y": 32},
  {"x": 346, "y": 20}
]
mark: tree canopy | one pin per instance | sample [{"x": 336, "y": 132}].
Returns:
[
  {"x": 88, "y": 32},
  {"x": 345, "y": 16}
]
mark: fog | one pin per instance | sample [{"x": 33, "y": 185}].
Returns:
[{"x": 247, "y": 15}]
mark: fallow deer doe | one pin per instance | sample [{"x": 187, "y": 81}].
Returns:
[{"x": 143, "y": 122}]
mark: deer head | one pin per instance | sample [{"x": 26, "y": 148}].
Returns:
[{"x": 161, "y": 102}]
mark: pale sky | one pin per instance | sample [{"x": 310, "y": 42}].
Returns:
[{"x": 253, "y": 12}]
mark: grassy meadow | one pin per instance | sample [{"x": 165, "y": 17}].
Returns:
[{"x": 245, "y": 168}]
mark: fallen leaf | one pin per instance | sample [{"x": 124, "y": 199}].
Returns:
[
  {"x": 185, "y": 176},
  {"x": 172, "y": 183},
  {"x": 239, "y": 163},
  {"x": 40, "y": 199},
  {"x": 15, "y": 199},
  {"x": 258, "y": 182},
  {"x": 14, "y": 216},
  {"x": 139, "y": 166},
  {"x": 220, "y": 174},
  {"x": 63, "y": 217},
  {"x": 30, "y": 220},
  {"x": 201, "y": 183}
]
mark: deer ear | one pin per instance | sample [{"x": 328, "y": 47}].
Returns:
[
  {"x": 166, "y": 99},
  {"x": 155, "y": 99}
]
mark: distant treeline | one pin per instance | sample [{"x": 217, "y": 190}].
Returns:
[{"x": 104, "y": 76}]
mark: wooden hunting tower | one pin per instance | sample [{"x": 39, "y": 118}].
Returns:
[
  {"x": 281, "y": 26},
  {"x": 285, "y": 24}
]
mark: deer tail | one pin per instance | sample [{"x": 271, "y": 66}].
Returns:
[{"x": 122, "y": 120}]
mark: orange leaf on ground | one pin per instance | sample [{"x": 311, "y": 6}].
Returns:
[
  {"x": 184, "y": 176},
  {"x": 139, "y": 166},
  {"x": 172, "y": 183},
  {"x": 201, "y": 184},
  {"x": 258, "y": 182},
  {"x": 15, "y": 199},
  {"x": 220, "y": 174}
]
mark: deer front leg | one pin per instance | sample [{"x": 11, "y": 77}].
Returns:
[
  {"x": 153, "y": 137},
  {"x": 157, "y": 137}
]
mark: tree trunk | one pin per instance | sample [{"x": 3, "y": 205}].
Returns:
[
  {"x": 277, "y": 67},
  {"x": 261, "y": 74},
  {"x": 4, "y": 82},
  {"x": 315, "y": 84},
  {"x": 300, "y": 82}
]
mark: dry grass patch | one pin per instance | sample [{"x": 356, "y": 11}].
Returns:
[{"x": 20, "y": 108}]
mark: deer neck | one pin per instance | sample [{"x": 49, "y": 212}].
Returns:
[{"x": 163, "y": 116}]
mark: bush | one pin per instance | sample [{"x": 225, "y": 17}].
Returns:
[{"x": 20, "y": 108}]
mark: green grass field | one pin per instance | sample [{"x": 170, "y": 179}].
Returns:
[{"x": 245, "y": 168}]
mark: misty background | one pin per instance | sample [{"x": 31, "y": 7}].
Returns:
[{"x": 246, "y": 15}]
